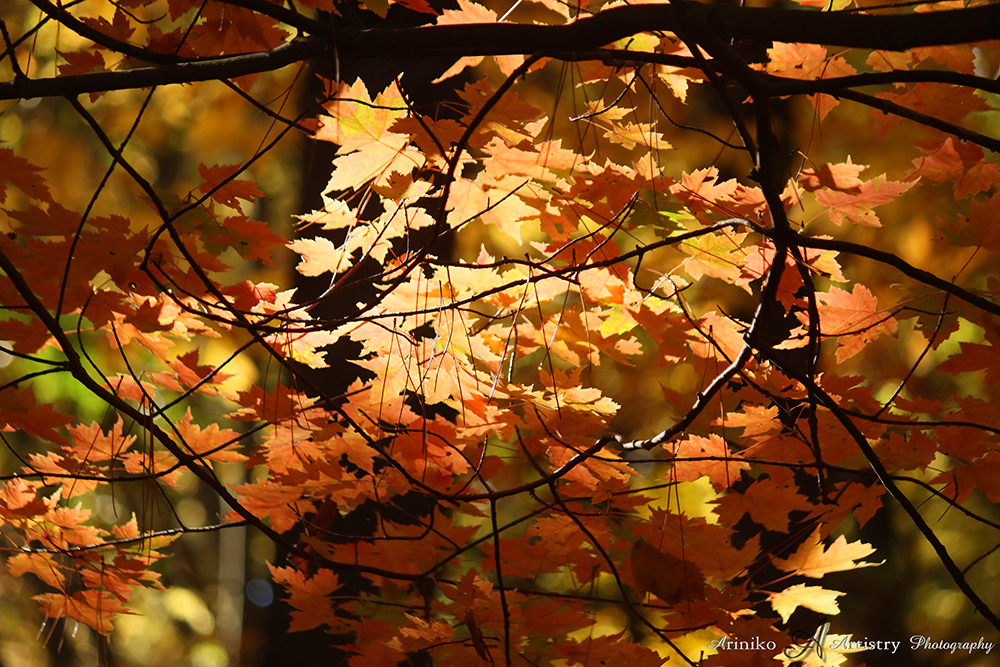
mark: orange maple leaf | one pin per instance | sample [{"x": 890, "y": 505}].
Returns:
[
  {"x": 960, "y": 161},
  {"x": 856, "y": 206},
  {"x": 42, "y": 565},
  {"x": 121, "y": 29},
  {"x": 769, "y": 502},
  {"x": 281, "y": 503},
  {"x": 368, "y": 151},
  {"x": 808, "y": 61},
  {"x": 18, "y": 500},
  {"x": 320, "y": 255},
  {"x": 963, "y": 479},
  {"x": 96, "y": 609},
  {"x": 211, "y": 442},
  {"x": 721, "y": 466},
  {"x": 93, "y": 444},
  {"x": 841, "y": 177},
  {"x": 81, "y": 62},
  {"x": 22, "y": 175},
  {"x": 310, "y": 597},
  {"x": 942, "y": 101},
  {"x": 812, "y": 559},
  {"x": 980, "y": 228},
  {"x": 229, "y": 193},
  {"x": 978, "y": 357},
  {"x": 23, "y": 413},
  {"x": 852, "y": 317},
  {"x": 700, "y": 191}
]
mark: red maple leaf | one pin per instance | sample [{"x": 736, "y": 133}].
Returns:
[
  {"x": 22, "y": 175},
  {"x": 224, "y": 188}
]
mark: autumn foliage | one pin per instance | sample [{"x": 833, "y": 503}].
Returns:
[{"x": 640, "y": 354}]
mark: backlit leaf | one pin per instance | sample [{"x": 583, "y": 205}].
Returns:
[{"x": 814, "y": 560}]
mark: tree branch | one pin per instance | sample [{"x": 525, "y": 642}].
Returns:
[
  {"x": 226, "y": 67},
  {"x": 890, "y": 485},
  {"x": 725, "y": 22}
]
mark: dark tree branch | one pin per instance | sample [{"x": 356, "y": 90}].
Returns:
[
  {"x": 725, "y": 22},
  {"x": 97, "y": 37},
  {"x": 226, "y": 67},
  {"x": 890, "y": 485},
  {"x": 780, "y": 86},
  {"x": 885, "y": 106},
  {"x": 901, "y": 265}
]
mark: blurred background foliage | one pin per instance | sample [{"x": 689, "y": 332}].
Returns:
[
  {"x": 221, "y": 609},
  {"x": 200, "y": 620}
]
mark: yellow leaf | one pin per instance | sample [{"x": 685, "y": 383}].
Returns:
[
  {"x": 319, "y": 255},
  {"x": 813, "y": 560},
  {"x": 818, "y": 599}
]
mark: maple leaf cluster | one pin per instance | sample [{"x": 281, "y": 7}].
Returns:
[{"x": 575, "y": 332}]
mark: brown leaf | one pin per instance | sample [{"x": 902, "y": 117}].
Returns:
[
  {"x": 478, "y": 642},
  {"x": 664, "y": 575}
]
